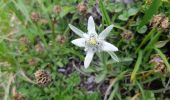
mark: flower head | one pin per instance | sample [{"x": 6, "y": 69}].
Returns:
[
  {"x": 57, "y": 9},
  {"x": 82, "y": 8},
  {"x": 43, "y": 78},
  {"x": 160, "y": 21},
  {"x": 127, "y": 35},
  {"x": 158, "y": 63},
  {"x": 35, "y": 16},
  {"x": 92, "y": 42}
]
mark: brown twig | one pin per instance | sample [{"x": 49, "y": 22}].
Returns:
[{"x": 135, "y": 96}]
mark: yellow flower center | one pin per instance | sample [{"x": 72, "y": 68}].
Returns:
[{"x": 92, "y": 41}]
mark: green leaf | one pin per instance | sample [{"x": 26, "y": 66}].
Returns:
[
  {"x": 150, "y": 12},
  {"x": 23, "y": 8},
  {"x": 119, "y": 7},
  {"x": 93, "y": 96},
  {"x": 66, "y": 10},
  {"x": 114, "y": 57},
  {"x": 74, "y": 79},
  {"x": 153, "y": 40},
  {"x": 149, "y": 95},
  {"x": 161, "y": 44},
  {"x": 132, "y": 11},
  {"x": 100, "y": 77},
  {"x": 124, "y": 16},
  {"x": 115, "y": 7},
  {"x": 142, "y": 29}
]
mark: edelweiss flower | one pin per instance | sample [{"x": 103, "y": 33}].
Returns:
[{"x": 92, "y": 41}]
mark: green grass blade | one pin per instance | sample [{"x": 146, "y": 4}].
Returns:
[
  {"x": 153, "y": 40},
  {"x": 113, "y": 93},
  {"x": 142, "y": 91},
  {"x": 146, "y": 38},
  {"x": 137, "y": 65},
  {"x": 104, "y": 13}
]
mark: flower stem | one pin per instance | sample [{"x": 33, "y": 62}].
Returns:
[
  {"x": 137, "y": 65},
  {"x": 103, "y": 59},
  {"x": 53, "y": 30}
]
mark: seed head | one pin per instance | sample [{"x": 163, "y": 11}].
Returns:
[
  {"x": 156, "y": 20},
  {"x": 24, "y": 40},
  {"x": 39, "y": 47},
  {"x": 57, "y": 9},
  {"x": 160, "y": 21},
  {"x": 43, "y": 78},
  {"x": 32, "y": 61},
  {"x": 60, "y": 39},
  {"x": 148, "y": 2},
  {"x": 35, "y": 16},
  {"x": 82, "y": 8},
  {"x": 158, "y": 63},
  {"x": 127, "y": 35},
  {"x": 165, "y": 23}
]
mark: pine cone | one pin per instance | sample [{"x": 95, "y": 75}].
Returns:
[{"x": 42, "y": 78}]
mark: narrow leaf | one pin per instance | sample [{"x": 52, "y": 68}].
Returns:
[
  {"x": 137, "y": 65},
  {"x": 104, "y": 13}
]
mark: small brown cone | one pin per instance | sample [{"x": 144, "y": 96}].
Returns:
[
  {"x": 43, "y": 78},
  {"x": 160, "y": 21},
  {"x": 35, "y": 16},
  {"x": 127, "y": 35},
  {"x": 32, "y": 61},
  {"x": 60, "y": 39},
  {"x": 57, "y": 9},
  {"x": 82, "y": 8},
  {"x": 158, "y": 63},
  {"x": 39, "y": 47},
  {"x": 24, "y": 40}
]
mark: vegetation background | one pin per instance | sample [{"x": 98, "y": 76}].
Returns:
[{"x": 38, "y": 61}]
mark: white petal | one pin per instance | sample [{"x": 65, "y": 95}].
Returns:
[
  {"x": 79, "y": 42},
  {"x": 108, "y": 47},
  {"x": 76, "y": 30},
  {"x": 86, "y": 35},
  {"x": 105, "y": 32},
  {"x": 91, "y": 25},
  {"x": 88, "y": 58},
  {"x": 114, "y": 57}
]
